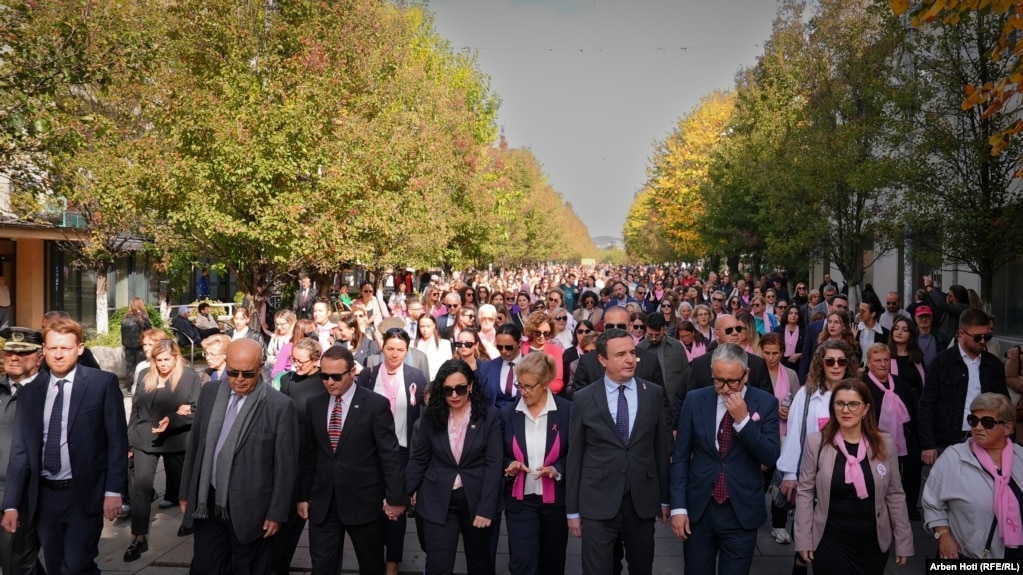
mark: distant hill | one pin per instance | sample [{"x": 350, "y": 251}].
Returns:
[{"x": 604, "y": 242}]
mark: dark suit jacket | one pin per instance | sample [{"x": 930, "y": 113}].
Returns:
[
  {"x": 432, "y": 469},
  {"x": 96, "y": 434},
  {"x": 365, "y": 468},
  {"x": 265, "y": 464},
  {"x": 415, "y": 387},
  {"x": 675, "y": 365},
  {"x": 800, "y": 343},
  {"x": 148, "y": 408},
  {"x": 813, "y": 333},
  {"x": 696, "y": 461},
  {"x": 699, "y": 375},
  {"x": 489, "y": 374},
  {"x": 590, "y": 370},
  {"x": 597, "y": 458},
  {"x": 514, "y": 424},
  {"x": 944, "y": 396},
  {"x": 304, "y": 311}
]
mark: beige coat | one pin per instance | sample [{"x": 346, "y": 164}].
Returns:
[{"x": 892, "y": 515}]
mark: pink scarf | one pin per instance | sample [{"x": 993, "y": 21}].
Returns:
[
  {"x": 698, "y": 350},
  {"x": 1010, "y": 527},
  {"x": 853, "y": 471},
  {"x": 547, "y": 483},
  {"x": 791, "y": 337},
  {"x": 919, "y": 369},
  {"x": 391, "y": 385},
  {"x": 781, "y": 391},
  {"x": 893, "y": 414}
]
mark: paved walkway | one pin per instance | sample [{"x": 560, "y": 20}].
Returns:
[{"x": 170, "y": 555}]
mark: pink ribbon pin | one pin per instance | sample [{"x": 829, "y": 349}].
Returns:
[
  {"x": 756, "y": 416},
  {"x": 412, "y": 394}
]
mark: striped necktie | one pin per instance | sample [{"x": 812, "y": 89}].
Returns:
[{"x": 334, "y": 425}]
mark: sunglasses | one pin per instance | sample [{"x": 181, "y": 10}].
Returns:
[
  {"x": 545, "y": 334},
  {"x": 504, "y": 347},
  {"x": 469, "y": 317},
  {"x": 245, "y": 374},
  {"x": 833, "y": 361},
  {"x": 334, "y": 376},
  {"x": 666, "y": 306},
  {"x": 616, "y": 326},
  {"x": 980, "y": 337},
  {"x": 734, "y": 329},
  {"x": 465, "y": 344},
  {"x": 636, "y": 326},
  {"x": 718, "y": 299},
  {"x": 457, "y": 390},
  {"x": 987, "y": 422},
  {"x": 583, "y": 331},
  {"x": 562, "y": 318},
  {"x": 451, "y": 305}
]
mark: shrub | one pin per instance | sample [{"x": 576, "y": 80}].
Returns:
[{"x": 113, "y": 337}]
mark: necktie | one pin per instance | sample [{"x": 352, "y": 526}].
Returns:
[
  {"x": 305, "y": 297},
  {"x": 725, "y": 433},
  {"x": 229, "y": 417},
  {"x": 508, "y": 380},
  {"x": 51, "y": 452},
  {"x": 334, "y": 425},
  {"x": 622, "y": 422},
  {"x": 15, "y": 388}
]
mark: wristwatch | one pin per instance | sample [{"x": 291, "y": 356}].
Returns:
[{"x": 939, "y": 531}]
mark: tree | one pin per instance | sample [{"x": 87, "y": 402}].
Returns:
[{"x": 644, "y": 233}]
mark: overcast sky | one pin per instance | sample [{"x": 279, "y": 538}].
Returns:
[{"x": 590, "y": 85}]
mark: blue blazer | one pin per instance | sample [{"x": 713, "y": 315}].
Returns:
[
  {"x": 368, "y": 379},
  {"x": 489, "y": 374},
  {"x": 514, "y": 424},
  {"x": 97, "y": 436},
  {"x": 432, "y": 468},
  {"x": 696, "y": 460}
]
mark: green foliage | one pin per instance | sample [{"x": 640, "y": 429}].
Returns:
[{"x": 113, "y": 337}]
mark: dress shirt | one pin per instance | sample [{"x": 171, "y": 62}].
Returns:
[
  {"x": 400, "y": 401},
  {"x": 631, "y": 395},
  {"x": 867, "y": 337},
  {"x": 536, "y": 442},
  {"x": 346, "y": 404},
  {"x": 51, "y": 397},
  {"x": 973, "y": 388},
  {"x": 504, "y": 375},
  {"x": 791, "y": 448}
]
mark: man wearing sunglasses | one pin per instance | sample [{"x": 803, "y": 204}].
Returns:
[
  {"x": 953, "y": 380},
  {"x": 245, "y": 443},
  {"x": 351, "y": 473},
  {"x": 497, "y": 376}
]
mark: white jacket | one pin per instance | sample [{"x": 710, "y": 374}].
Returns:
[{"x": 792, "y": 449}]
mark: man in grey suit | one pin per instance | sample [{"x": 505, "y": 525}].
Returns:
[
  {"x": 240, "y": 467},
  {"x": 669, "y": 351},
  {"x": 617, "y": 470}
]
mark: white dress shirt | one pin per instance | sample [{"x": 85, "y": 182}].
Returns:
[
  {"x": 973, "y": 388},
  {"x": 536, "y": 442}
]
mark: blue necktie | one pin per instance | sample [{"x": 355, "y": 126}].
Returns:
[
  {"x": 622, "y": 422},
  {"x": 51, "y": 451}
]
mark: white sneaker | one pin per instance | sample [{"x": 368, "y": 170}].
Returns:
[{"x": 781, "y": 535}]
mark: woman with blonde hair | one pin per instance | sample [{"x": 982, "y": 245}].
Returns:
[{"x": 159, "y": 425}]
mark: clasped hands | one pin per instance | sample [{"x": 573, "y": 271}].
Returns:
[{"x": 517, "y": 467}]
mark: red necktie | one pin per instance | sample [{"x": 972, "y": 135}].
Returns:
[
  {"x": 508, "y": 380},
  {"x": 725, "y": 433},
  {"x": 334, "y": 425}
]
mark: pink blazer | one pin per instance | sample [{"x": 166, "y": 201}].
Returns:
[{"x": 889, "y": 498}]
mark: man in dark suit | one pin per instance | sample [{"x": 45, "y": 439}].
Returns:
[
  {"x": 727, "y": 330},
  {"x": 726, "y": 432},
  {"x": 497, "y": 376},
  {"x": 671, "y": 356},
  {"x": 87, "y": 359},
  {"x": 305, "y": 297},
  {"x": 453, "y": 303},
  {"x": 590, "y": 368},
  {"x": 240, "y": 467},
  {"x": 617, "y": 471},
  {"x": 813, "y": 332},
  {"x": 69, "y": 454},
  {"x": 351, "y": 469}
]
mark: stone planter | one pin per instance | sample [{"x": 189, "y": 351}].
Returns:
[{"x": 110, "y": 359}]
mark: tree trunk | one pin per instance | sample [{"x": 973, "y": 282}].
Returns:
[{"x": 102, "y": 319}]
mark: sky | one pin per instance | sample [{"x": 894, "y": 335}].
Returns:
[{"x": 590, "y": 86}]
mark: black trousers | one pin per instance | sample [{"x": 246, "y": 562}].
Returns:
[
  {"x": 285, "y": 542},
  {"x": 327, "y": 542},
  {"x": 394, "y": 538},
  {"x": 132, "y": 357},
  {"x": 217, "y": 551},
  {"x": 719, "y": 544},
  {"x": 69, "y": 535},
  {"x": 142, "y": 487},
  {"x": 19, "y": 551},
  {"x": 442, "y": 541},
  {"x": 537, "y": 537},
  {"x": 599, "y": 537}
]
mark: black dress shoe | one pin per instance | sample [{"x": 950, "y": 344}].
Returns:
[
  {"x": 135, "y": 550},
  {"x": 185, "y": 531},
  {"x": 914, "y": 514}
]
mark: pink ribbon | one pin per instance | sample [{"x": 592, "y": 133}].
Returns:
[
  {"x": 853, "y": 471},
  {"x": 547, "y": 483},
  {"x": 412, "y": 395}
]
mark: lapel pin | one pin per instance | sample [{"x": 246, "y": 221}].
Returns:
[
  {"x": 472, "y": 427},
  {"x": 356, "y": 406},
  {"x": 882, "y": 470}
]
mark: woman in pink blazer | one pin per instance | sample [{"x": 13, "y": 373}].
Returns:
[{"x": 851, "y": 469}]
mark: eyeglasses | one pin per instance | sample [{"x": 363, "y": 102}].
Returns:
[
  {"x": 299, "y": 362},
  {"x": 504, "y": 347},
  {"x": 543, "y": 334},
  {"x": 734, "y": 329},
  {"x": 848, "y": 406},
  {"x": 980, "y": 337},
  {"x": 583, "y": 331},
  {"x": 562, "y": 318},
  {"x": 334, "y": 376},
  {"x": 244, "y": 374},
  {"x": 465, "y": 344},
  {"x": 987, "y": 422},
  {"x": 523, "y": 387},
  {"x": 729, "y": 383},
  {"x": 616, "y": 326},
  {"x": 457, "y": 390},
  {"x": 833, "y": 361}
]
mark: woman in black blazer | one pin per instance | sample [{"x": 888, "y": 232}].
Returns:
[
  {"x": 791, "y": 329},
  {"x": 161, "y": 419},
  {"x": 534, "y": 499},
  {"x": 454, "y": 474}
]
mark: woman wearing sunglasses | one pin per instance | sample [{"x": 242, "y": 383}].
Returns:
[
  {"x": 972, "y": 496},
  {"x": 538, "y": 335},
  {"x": 467, "y": 347},
  {"x": 833, "y": 361},
  {"x": 570, "y": 359},
  {"x": 849, "y": 503},
  {"x": 455, "y": 472},
  {"x": 403, "y": 386}
]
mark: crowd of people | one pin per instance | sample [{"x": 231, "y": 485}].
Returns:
[{"x": 549, "y": 403}]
